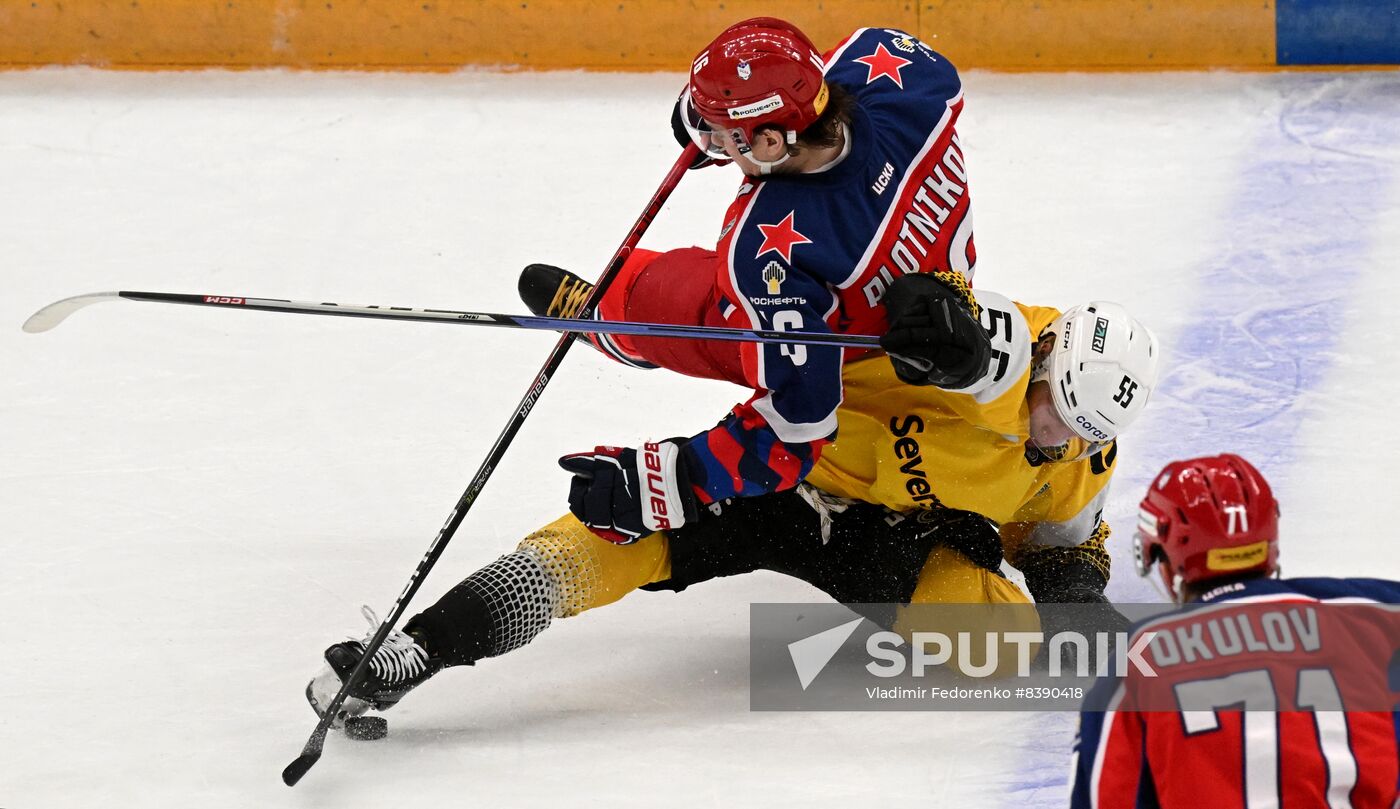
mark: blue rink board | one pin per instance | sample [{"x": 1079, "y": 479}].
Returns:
[{"x": 1338, "y": 32}]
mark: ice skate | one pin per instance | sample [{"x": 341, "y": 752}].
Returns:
[
  {"x": 551, "y": 292},
  {"x": 400, "y": 665}
]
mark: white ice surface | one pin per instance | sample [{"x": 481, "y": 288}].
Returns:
[{"x": 193, "y": 503}]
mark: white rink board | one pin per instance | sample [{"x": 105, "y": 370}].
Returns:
[{"x": 195, "y": 502}]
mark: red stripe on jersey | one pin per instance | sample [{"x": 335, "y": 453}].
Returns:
[
  {"x": 919, "y": 231},
  {"x": 728, "y": 452},
  {"x": 1118, "y": 763},
  {"x": 739, "y": 316},
  {"x": 786, "y": 464},
  {"x": 749, "y": 418}
]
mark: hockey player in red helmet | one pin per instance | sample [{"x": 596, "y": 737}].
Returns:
[
  {"x": 1206, "y": 520},
  {"x": 1210, "y": 528},
  {"x": 752, "y": 92},
  {"x": 854, "y": 177}
]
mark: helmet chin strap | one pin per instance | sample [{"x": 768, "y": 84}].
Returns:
[
  {"x": 766, "y": 166},
  {"x": 1177, "y": 597},
  {"x": 1170, "y": 593}
]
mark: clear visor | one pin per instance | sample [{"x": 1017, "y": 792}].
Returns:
[
  {"x": 711, "y": 139},
  {"x": 1075, "y": 449}
]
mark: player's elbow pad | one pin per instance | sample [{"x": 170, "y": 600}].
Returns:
[{"x": 933, "y": 338}]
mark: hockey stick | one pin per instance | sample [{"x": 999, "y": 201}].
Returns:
[
  {"x": 311, "y": 753},
  {"x": 55, "y": 313}
]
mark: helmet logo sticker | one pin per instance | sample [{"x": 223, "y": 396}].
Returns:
[
  {"x": 1100, "y": 334},
  {"x": 745, "y": 71},
  {"x": 1091, "y": 428},
  {"x": 757, "y": 108},
  {"x": 1227, "y": 559}
]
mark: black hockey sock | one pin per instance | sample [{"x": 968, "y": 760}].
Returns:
[{"x": 501, "y": 607}]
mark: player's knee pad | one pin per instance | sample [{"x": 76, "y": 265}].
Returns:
[
  {"x": 564, "y": 551},
  {"x": 587, "y": 570},
  {"x": 558, "y": 571}
]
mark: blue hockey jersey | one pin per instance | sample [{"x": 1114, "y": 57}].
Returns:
[{"x": 815, "y": 252}]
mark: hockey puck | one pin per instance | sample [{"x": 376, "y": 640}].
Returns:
[{"x": 366, "y": 728}]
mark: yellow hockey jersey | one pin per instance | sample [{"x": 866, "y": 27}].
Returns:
[{"x": 907, "y": 447}]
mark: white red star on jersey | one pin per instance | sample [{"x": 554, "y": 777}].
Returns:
[
  {"x": 781, "y": 238},
  {"x": 883, "y": 63}
]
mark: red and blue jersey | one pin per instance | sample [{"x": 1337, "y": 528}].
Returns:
[
  {"x": 815, "y": 252},
  {"x": 1263, "y": 646}
]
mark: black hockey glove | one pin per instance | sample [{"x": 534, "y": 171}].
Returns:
[
  {"x": 966, "y": 532},
  {"x": 624, "y": 494},
  {"x": 1070, "y": 597},
  {"x": 684, "y": 138},
  {"x": 933, "y": 339}
]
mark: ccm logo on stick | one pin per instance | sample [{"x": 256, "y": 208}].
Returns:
[{"x": 217, "y": 299}]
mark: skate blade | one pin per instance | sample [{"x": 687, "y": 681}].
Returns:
[{"x": 322, "y": 690}]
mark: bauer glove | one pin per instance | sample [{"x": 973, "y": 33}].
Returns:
[
  {"x": 933, "y": 339},
  {"x": 624, "y": 494}
]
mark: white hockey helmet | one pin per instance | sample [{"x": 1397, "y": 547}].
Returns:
[{"x": 1101, "y": 369}]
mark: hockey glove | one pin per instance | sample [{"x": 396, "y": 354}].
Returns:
[
  {"x": 1070, "y": 596},
  {"x": 966, "y": 532},
  {"x": 625, "y": 494},
  {"x": 933, "y": 339}
]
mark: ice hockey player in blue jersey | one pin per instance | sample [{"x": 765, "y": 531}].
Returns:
[{"x": 853, "y": 177}]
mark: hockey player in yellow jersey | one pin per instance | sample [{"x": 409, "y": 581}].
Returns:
[
  {"x": 918, "y": 500},
  {"x": 975, "y": 449}
]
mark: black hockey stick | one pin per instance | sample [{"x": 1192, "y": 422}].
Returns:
[
  {"x": 311, "y": 753},
  {"x": 55, "y": 313}
]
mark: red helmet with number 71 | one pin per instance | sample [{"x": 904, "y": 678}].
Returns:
[
  {"x": 759, "y": 72},
  {"x": 1207, "y": 518}
]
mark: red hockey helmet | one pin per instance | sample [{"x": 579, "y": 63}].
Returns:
[
  {"x": 759, "y": 72},
  {"x": 1207, "y": 518}
]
